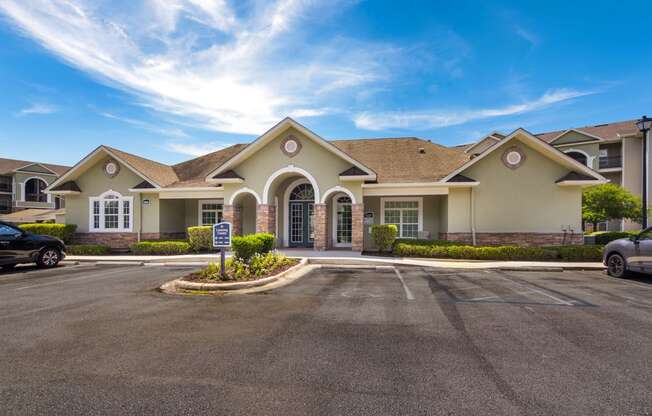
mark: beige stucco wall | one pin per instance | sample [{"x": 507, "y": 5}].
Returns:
[
  {"x": 432, "y": 213},
  {"x": 592, "y": 150},
  {"x": 321, "y": 163},
  {"x": 93, "y": 183},
  {"x": 172, "y": 215},
  {"x": 19, "y": 180},
  {"x": 526, "y": 199},
  {"x": 572, "y": 137}
]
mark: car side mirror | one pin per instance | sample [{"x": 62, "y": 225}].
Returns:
[{"x": 636, "y": 239}]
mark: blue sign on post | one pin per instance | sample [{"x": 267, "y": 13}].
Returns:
[{"x": 222, "y": 235}]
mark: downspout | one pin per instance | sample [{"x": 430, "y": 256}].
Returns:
[
  {"x": 473, "y": 215},
  {"x": 140, "y": 215}
]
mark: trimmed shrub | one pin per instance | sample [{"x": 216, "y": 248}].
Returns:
[
  {"x": 245, "y": 247},
  {"x": 268, "y": 241},
  {"x": 87, "y": 249},
  {"x": 384, "y": 235},
  {"x": 62, "y": 231},
  {"x": 428, "y": 242},
  {"x": 200, "y": 238},
  {"x": 160, "y": 247},
  {"x": 475, "y": 253},
  {"x": 579, "y": 253},
  {"x": 605, "y": 237}
]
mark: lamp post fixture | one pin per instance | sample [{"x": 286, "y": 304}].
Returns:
[{"x": 644, "y": 125}]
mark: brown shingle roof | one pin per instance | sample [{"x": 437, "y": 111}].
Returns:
[
  {"x": 198, "y": 168},
  {"x": 163, "y": 175},
  {"x": 609, "y": 131},
  {"x": 574, "y": 176},
  {"x": 229, "y": 174},
  {"x": 9, "y": 165},
  {"x": 399, "y": 159}
]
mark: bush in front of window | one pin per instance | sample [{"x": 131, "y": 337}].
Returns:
[
  {"x": 87, "y": 249},
  {"x": 200, "y": 238},
  {"x": 384, "y": 235},
  {"x": 160, "y": 247},
  {"x": 61, "y": 231},
  {"x": 245, "y": 247},
  {"x": 605, "y": 237}
]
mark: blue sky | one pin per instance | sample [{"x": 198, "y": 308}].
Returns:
[{"x": 172, "y": 79}]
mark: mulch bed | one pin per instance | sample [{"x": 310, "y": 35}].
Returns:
[{"x": 197, "y": 278}]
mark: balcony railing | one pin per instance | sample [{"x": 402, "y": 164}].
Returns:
[{"x": 609, "y": 162}]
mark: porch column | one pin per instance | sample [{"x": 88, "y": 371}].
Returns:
[
  {"x": 233, "y": 214},
  {"x": 321, "y": 230},
  {"x": 266, "y": 218},
  {"x": 357, "y": 227}
]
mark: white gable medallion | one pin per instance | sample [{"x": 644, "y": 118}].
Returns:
[
  {"x": 111, "y": 168},
  {"x": 513, "y": 157},
  {"x": 290, "y": 146}
]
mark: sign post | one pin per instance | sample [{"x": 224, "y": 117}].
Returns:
[{"x": 222, "y": 240}]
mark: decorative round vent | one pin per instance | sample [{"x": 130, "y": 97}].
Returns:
[
  {"x": 513, "y": 157},
  {"x": 290, "y": 146},
  {"x": 111, "y": 168}
]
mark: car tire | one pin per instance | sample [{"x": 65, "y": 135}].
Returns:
[
  {"x": 6, "y": 267},
  {"x": 616, "y": 266},
  {"x": 48, "y": 257}
]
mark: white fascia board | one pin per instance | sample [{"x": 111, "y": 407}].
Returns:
[
  {"x": 582, "y": 183},
  {"x": 78, "y": 166},
  {"x": 164, "y": 190},
  {"x": 62, "y": 192},
  {"x": 272, "y": 133},
  {"x": 358, "y": 178},
  {"x": 539, "y": 145},
  {"x": 225, "y": 180},
  {"x": 489, "y": 136}
]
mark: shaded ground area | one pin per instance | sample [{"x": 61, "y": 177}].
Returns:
[{"x": 101, "y": 340}]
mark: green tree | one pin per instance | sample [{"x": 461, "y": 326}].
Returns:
[{"x": 609, "y": 202}]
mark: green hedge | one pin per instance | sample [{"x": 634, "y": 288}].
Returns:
[
  {"x": 201, "y": 238},
  {"x": 87, "y": 249},
  {"x": 605, "y": 237},
  {"x": 245, "y": 247},
  {"x": 160, "y": 247},
  {"x": 62, "y": 231},
  {"x": 456, "y": 251},
  {"x": 476, "y": 253},
  {"x": 428, "y": 242},
  {"x": 579, "y": 253}
]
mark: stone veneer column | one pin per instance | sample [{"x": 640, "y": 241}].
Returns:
[
  {"x": 321, "y": 230},
  {"x": 232, "y": 214},
  {"x": 357, "y": 227},
  {"x": 266, "y": 218}
]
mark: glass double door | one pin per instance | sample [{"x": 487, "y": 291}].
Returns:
[{"x": 302, "y": 230}]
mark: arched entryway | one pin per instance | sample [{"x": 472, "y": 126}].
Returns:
[{"x": 301, "y": 214}]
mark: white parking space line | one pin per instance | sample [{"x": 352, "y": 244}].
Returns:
[
  {"x": 408, "y": 292},
  {"x": 540, "y": 292},
  {"x": 96, "y": 276}
]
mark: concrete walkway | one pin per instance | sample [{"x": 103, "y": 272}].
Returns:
[{"x": 349, "y": 258}]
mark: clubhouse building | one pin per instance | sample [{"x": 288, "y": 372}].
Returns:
[{"x": 312, "y": 192}]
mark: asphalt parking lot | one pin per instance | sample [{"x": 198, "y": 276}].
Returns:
[{"x": 103, "y": 340}]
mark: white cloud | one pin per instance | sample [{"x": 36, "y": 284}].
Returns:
[
  {"x": 424, "y": 120},
  {"x": 194, "y": 150},
  {"x": 166, "y": 131},
  {"x": 527, "y": 36},
  {"x": 37, "y": 108},
  {"x": 230, "y": 69}
]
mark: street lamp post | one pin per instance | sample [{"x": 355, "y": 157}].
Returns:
[{"x": 644, "y": 125}]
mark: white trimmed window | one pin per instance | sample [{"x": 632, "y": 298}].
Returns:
[
  {"x": 210, "y": 212},
  {"x": 111, "y": 213},
  {"x": 405, "y": 213}
]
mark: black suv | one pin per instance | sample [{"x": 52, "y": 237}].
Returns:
[{"x": 18, "y": 246}]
